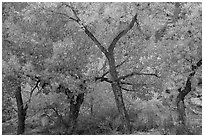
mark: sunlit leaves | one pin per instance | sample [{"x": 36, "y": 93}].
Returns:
[{"x": 44, "y": 41}]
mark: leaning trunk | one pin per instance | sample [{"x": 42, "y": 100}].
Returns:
[
  {"x": 180, "y": 100},
  {"x": 21, "y": 111},
  {"x": 121, "y": 107},
  {"x": 181, "y": 107},
  {"x": 182, "y": 94},
  {"x": 74, "y": 111},
  {"x": 118, "y": 95}
]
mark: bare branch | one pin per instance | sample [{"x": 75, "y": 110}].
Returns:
[
  {"x": 73, "y": 10},
  {"x": 138, "y": 84},
  {"x": 127, "y": 89},
  {"x": 96, "y": 78},
  {"x": 122, "y": 63},
  {"x": 131, "y": 84},
  {"x": 136, "y": 73},
  {"x": 103, "y": 79},
  {"x": 93, "y": 38},
  {"x": 122, "y": 33},
  {"x": 121, "y": 82},
  {"x": 105, "y": 74},
  {"x": 63, "y": 14},
  {"x": 126, "y": 83},
  {"x": 36, "y": 86},
  {"x": 86, "y": 30}
]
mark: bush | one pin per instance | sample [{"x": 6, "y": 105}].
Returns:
[
  {"x": 147, "y": 119},
  {"x": 152, "y": 115}
]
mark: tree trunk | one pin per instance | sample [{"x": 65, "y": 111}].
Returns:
[
  {"x": 180, "y": 102},
  {"x": 118, "y": 95},
  {"x": 74, "y": 111},
  {"x": 180, "y": 99},
  {"x": 21, "y": 111},
  {"x": 181, "y": 96},
  {"x": 181, "y": 112}
]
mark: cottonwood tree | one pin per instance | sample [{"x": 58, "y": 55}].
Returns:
[
  {"x": 42, "y": 54},
  {"x": 20, "y": 49},
  {"x": 109, "y": 53},
  {"x": 142, "y": 42}
]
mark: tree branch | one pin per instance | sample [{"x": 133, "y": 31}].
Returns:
[
  {"x": 121, "y": 82},
  {"x": 136, "y": 73},
  {"x": 126, "y": 83},
  {"x": 90, "y": 35},
  {"x": 121, "y": 34},
  {"x": 93, "y": 38},
  {"x": 73, "y": 10},
  {"x": 101, "y": 77},
  {"x": 63, "y": 14},
  {"x": 127, "y": 89},
  {"x": 134, "y": 84},
  {"x": 122, "y": 62},
  {"x": 36, "y": 86}
]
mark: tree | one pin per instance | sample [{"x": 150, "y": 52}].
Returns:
[
  {"x": 141, "y": 46},
  {"x": 182, "y": 93},
  {"x": 38, "y": 52},
  {"x": 109, "y": 53},
  {"x": 15, "y": 70}
]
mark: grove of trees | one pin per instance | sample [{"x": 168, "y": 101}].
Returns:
[{"x": 102, "y": 68}]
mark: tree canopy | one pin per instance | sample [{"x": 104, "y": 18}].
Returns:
[{"x": 101, "y": 57}]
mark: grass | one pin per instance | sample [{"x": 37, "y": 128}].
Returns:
[{"x": 143, "y": 122}]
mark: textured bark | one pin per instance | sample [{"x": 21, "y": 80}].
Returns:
[
  {"x": 118, "y": 95},
  {"x": 21, "y": 111},
  {"x": 121, "y": 107},
  {"x": 181, "y": 112},
  {"x": 109, "y": 54},
  {"x": 182, "y": 94},
  {"x": 74, "y": 111}
]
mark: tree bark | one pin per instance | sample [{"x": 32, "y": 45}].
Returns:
[
  {"x": 21, "y": 111},
  {"x": 181, "y": 107},
  {"x": 74, "y": 111},
  {"x": 109, "y": 54},
  {"x": 180, "y": 101},
  {"x": 182, "y": 94},
  {"x": 181, "y": 112},
  {"x": 118, "y": 95}
]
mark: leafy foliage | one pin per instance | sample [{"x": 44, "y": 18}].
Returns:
[{"x": 45, "y": 45}]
